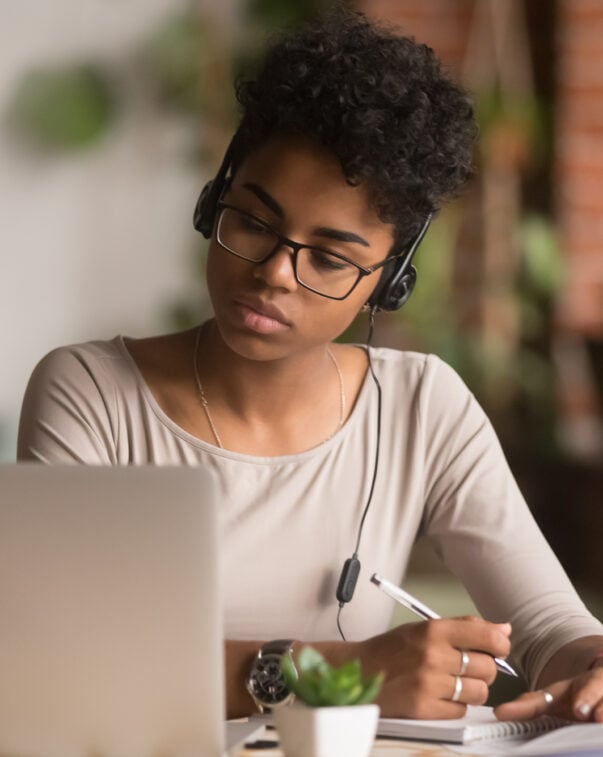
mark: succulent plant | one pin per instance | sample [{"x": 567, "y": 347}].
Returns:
[{"x": 317, "y": 684}]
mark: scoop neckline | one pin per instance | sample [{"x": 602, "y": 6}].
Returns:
[{"x": 212, "y": 449}]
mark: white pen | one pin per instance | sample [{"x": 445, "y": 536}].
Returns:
[{"x": 406, "y": 599}]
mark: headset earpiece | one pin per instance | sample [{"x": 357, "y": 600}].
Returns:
[
  {"x": 399, "y": 279},
  {"x": 207, "y": 204},
  {"x": 204, "y": 216},
  {"x": 395, "y": 288}
]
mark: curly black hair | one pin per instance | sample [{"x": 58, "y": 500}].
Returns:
[{"x": 377, "y": 100}]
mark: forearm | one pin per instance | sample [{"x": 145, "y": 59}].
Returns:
[
  {"x": 239, "y": 656},
  {"x": 420, "y": 662},
  {"x": 571, "y": 660}
]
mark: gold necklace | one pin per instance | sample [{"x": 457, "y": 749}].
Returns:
[{"x": 205, "y": 403}]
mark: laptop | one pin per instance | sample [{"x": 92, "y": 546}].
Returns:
[{"x": 110, "y": 616}]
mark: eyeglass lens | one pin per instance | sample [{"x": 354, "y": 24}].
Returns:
[{"x": 319, "y": 270}]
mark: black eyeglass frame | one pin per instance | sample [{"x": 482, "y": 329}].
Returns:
[{"x": 282, "y": 240}]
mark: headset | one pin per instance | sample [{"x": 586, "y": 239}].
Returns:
[{"x": 391, "y": 293}]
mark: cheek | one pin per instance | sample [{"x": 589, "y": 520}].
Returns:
[
  {"x": 331, "y": 320},
  {"x": 221, "y": 268},
  {"x": 212, "y": 268}
]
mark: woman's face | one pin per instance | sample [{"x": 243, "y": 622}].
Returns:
[{"x": 298, "y": 189}]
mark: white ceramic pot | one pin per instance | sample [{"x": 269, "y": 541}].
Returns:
[{"x": 326, "y": 731}]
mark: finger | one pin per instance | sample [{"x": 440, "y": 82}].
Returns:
[
  {"x": 479, "y": 635},
  {"x": 587, "y": 694},
  {"x": 529, "y": 705},
  {"x": 479, "y": 665},
  {"x": 464, "y": 690},
  {"x": 398, "y": 700}
]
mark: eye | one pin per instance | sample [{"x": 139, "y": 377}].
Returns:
[
  {"x": 251, "y": 225},
  {"x": 328, "y": 262}
]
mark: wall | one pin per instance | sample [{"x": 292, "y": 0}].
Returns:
[{"x": 101, "y": 241}]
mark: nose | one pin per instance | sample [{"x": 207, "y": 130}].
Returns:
[{"x": 278, "y": 270}]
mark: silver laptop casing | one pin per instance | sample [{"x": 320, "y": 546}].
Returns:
[{"x": 110, "y": 616}]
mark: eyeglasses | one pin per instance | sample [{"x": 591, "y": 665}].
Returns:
[{"x": 325, "y": 273}]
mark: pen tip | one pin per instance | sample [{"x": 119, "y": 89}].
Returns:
[{"x": 375, "y": 578}]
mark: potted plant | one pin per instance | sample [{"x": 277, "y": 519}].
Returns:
[{"x": 333, "y": 714}]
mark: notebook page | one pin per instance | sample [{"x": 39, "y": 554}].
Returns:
[
  {"x": 479, "y": 724},
  {"x": 576, "y": 740}
]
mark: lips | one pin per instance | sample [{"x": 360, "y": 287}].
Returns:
[{"x": 264, "y": 308}]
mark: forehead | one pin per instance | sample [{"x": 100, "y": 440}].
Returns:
[{"x": 307, "y": 181}]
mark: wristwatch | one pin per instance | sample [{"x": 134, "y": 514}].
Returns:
[{"x": 265, "y": 682}]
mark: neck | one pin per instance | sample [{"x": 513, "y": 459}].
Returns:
[
  {"x": 272, "y": 406},
  {"x": 262, "y": 387}
]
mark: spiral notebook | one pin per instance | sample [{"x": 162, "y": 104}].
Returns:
[{"x": 479, "y": 724}]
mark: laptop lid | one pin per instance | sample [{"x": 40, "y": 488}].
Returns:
[{"x": 110, "y": 619}]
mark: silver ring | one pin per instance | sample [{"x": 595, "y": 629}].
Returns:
[
  {"x": 464, "y": 662},
  {"x": 458, "y": 688},
  {"x": 548, "y": 697}
]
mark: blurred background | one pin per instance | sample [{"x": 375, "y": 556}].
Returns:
[{"x": 113, "y": 115}]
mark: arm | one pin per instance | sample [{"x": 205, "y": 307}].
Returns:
[
  {"x": 574, "y": 679},
  {"x": 482, "y": 528},
  {"x": 572, "y": 660},
  {"x": 420, "y": 662}
]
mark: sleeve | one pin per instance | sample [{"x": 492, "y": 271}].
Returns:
[
  {"x": 480, "y": 525},
  {"x": 66, "y": 411}
]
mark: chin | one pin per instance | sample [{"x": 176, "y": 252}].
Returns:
[{"x": 252, "y": 346}]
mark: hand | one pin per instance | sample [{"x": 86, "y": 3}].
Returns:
[
  {"x": 578, "y": 698},
  {"x": 422, "y": 662}
]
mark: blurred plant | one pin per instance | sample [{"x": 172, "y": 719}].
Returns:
[
  {"x": 317, "y": 684},
  {"x": 173, "y": 57},
  {"x": 67, "y": 107},
  {"x": 490, "y": 268}
]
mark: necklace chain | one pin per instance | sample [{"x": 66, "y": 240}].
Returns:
[{"x": 205, "y": 403}]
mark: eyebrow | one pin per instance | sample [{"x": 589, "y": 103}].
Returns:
[{"x": 338, "y": 235}]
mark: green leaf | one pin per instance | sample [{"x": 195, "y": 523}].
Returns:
[
  {"x": 541, "y": 254},
  {"x": 319, "y": 685},
  {"x": 289, "y": 672},
  {"x": 372, "y": 687},
  {"x": 309, "y": 659}
]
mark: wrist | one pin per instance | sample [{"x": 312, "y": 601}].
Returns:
[
  {"x": 336, "y": 653},
  {"x": 597, "y": 661},
  {"x": 265, "y": 682}
]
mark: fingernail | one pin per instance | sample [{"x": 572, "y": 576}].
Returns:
[
  {"x": 584, "y": 709},
  {"x": 505, "y": 627}
]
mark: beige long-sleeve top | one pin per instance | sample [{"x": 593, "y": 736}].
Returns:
[{"x": 290, "y": 522}]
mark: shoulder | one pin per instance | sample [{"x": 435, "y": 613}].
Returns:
[
  {"x": 425, "y": 389},
  {"x": 425, "y": 371},
  {"x": 69, "y": 407},
  {"x": 85, "y": 362}
]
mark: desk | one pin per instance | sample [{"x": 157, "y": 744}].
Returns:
[{"x": 382, "y": 748}]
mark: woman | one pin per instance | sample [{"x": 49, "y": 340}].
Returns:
[{"x": 350, "y": 139}]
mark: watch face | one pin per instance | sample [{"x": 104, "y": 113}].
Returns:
[{"x": 266, "y": 680}]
